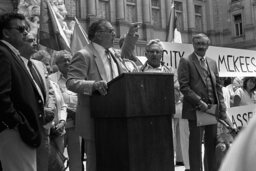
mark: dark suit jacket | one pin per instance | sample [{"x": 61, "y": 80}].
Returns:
[
  {"x": 87, "y": 67},
  {"x": 194, "y": 88},
  {"x": 17, "y": 90}
]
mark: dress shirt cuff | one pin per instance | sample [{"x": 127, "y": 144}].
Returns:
[{"x": 88, "y": 90}]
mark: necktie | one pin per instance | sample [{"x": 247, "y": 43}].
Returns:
[
  {"x": 203, "y": 63},
  {"x": 208, "y": 81},
  {"x": 110, "y": 63},
  {"x": 36, "y": 77}
]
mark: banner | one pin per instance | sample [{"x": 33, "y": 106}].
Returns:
[
  {"x": 51, "y": 33},
  {"x": 79, "y": 38},
  {"x": 231, "y": 62},
  {"x": 241, "y": 115}
]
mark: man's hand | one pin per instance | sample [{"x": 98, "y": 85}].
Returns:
[
  {"x": 60, "y": 125},
  {"x": 101, "y": 87},
  {"x": 202, "y": 106},
  {"x": 134, "y": 28},
  {"x": 228, "y": 121},
  {"x": 48, "y": 126},
  {"x": 48, "y": 115}
]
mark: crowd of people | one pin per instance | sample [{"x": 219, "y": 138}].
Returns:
[{"x": 49, "y": 94}]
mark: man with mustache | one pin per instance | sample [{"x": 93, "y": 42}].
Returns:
[
  {"x": 18, "y": 96},
  {"x": 199, "y": 83},
  {"x": 89, "y": 71}
]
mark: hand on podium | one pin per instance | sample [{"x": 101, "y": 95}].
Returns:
[{"x": 101, "y": 86}]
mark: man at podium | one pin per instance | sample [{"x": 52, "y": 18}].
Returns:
[{"x": 90, "y": 70}]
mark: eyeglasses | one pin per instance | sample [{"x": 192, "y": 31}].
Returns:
[
  {"x": 21, "y": 29},
  {"x": 201, "y": 43},
  {"x": 151, "y": 52},
  {"x": 107, "y": 31}
]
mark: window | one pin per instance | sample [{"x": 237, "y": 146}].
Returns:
[
  {"x": 131, "y": 11},
  {"x": 155, "y": 3},
  {"x": 104, "y": 9},
  {"x": 156, "y": 15},
  {"x": 238, "y": 24},
  {"x": 234, "y": 1},
  {"x": 179, "y": 14},
  {"x": 198, "y": 18}
]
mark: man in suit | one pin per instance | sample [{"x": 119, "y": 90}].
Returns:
[
  {"x": 90, "y": 70},
  {"x": 39, "y": 74},
  {"x": 200, "y": 85},
  {"x": 18, "y": 94}
]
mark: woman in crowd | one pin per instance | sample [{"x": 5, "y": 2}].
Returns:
[{"x": 246, "y": 94}]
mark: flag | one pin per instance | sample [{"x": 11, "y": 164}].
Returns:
[
  {"x": 51, "y": 33},
  {"x": 173, "y": 35},
  {"x": 79, "y": 38}
]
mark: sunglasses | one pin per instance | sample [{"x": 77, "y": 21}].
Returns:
[{"x": 21, "y": 29}]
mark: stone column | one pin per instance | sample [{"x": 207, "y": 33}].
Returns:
[
  {"x": 146, "y": 11},
  {"x": 191, "y": 15},
  {"x": 91, "y": 8},
  {"x": 120, "y": 9},
  {"x": 83, "y": 9},
  {"x": 168, "y": 4},
  {"x": 209, "y": 15}
]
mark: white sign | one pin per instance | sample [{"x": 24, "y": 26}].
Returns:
[
  {"x": 241, "y": 115},
  {"x": 231, "y": 62}
]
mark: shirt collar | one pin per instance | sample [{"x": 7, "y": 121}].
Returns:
[
  {"x": 148, "y": 66},
  {"x": 60, "y": 76},
  {"x": 199, "y": 57},
  {"x": 13, "y": 49},
  {"x": 100, "y": 49},
  {"x": 25, "y": 60}
]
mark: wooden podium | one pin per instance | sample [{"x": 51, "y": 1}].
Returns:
[{"x": 133, "y": 123}]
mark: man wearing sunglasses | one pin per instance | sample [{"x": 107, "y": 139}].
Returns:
[{"x": 18, "y": 95}]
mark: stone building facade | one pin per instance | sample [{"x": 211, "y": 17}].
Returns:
[{"x": 229, "y": 23}]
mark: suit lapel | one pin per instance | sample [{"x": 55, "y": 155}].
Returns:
[
  {"x": 211, "y": 73},
  {"x": 21, "y": 64},
  {"x": 198, "y": 67},
  {"x": 99, "y": 62},
  {"x": 42, "y": 74},
  {"x": 120, "y": 66}
]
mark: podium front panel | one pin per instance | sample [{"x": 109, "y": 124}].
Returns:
[
  {"x": 134, "y": 144},
  {"x": 133, "y": 123},
  {"x": 136, "y": 94}
]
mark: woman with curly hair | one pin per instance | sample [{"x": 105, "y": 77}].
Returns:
[{"x": 246, "y": 94}]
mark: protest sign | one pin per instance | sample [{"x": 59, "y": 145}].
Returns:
[
  {"x": 231, "y": 62},
  {"x": 241, "y": 115}
]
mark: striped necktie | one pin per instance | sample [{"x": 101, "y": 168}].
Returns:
[
  {"x": 110, "y": 63},
  {"x": 203, "y": 63}
]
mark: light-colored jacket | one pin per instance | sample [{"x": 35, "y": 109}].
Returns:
[
  {"x": 61, "y": 107},
  {"x": 87, "y": 67}
]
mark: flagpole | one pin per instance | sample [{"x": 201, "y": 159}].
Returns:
[
  {"x": 170, "y": 26},
  {"x": 81, "y": 28},
  {"x": 60, "y": 30}
]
